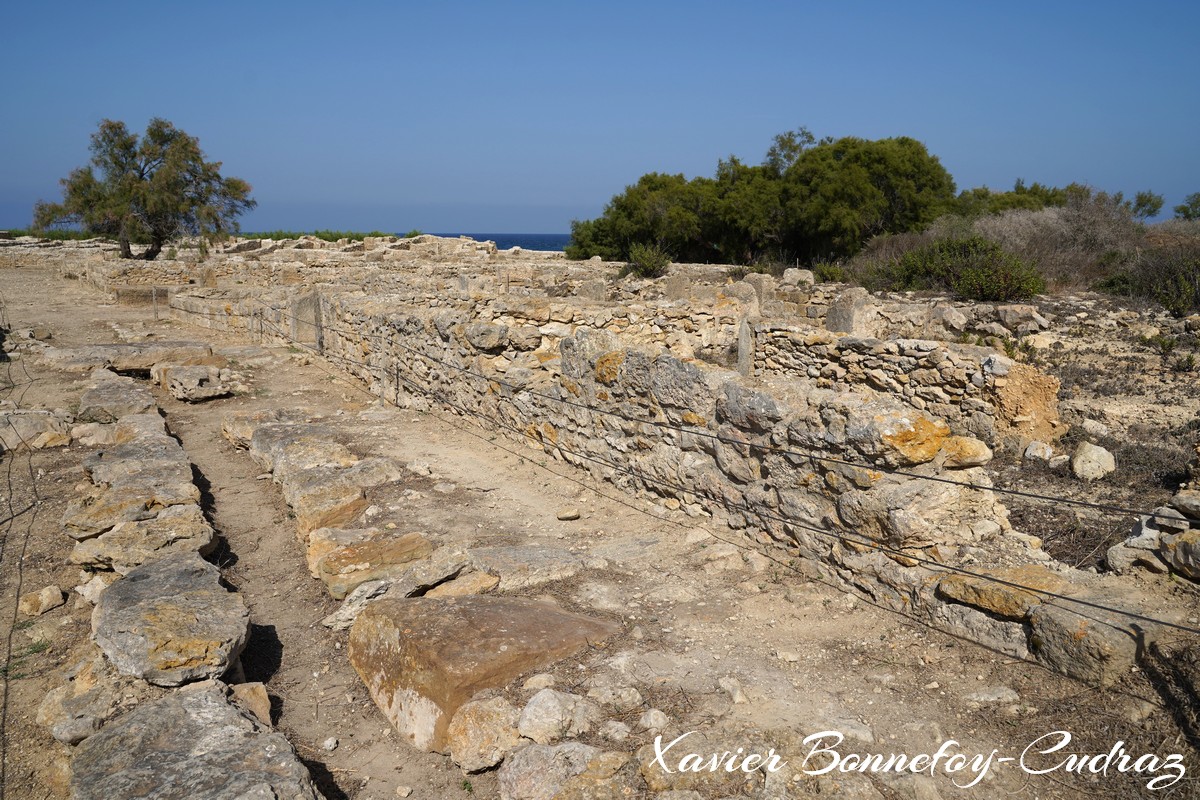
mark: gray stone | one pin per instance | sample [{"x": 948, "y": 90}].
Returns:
[
  {"x": 1039, "y": 451},
  {"x": 131, "y": 357},
  {"x": 1122, "y": 558},
  {"x": 1182, "y": 552},
  {"x": 551, "y": 715},
  {"x": 537, "y": 772},
  {"x": 797, "y": 277},
  {"x": 523, "y": 566},
  {"x": 486, "y": 336},
  {"x": 482, "y": 733},
  {"x": 191, "y": 745},
  {"x": 1091, "y": 462},
  {"x": 191, "y": 383},
  {"x": 853, "y": 312},
  {"x": 93, "y": 694},
  {"x": 1187, "y": 501},
  {"x": 444, "y": 565},
  {"x": 994, "y": 694},
  {"x": 113, "y": 397},
  {"x": 1086, "y": 643},
  {"x": 33, "y": 430},
  {"x": 177, "y": 529},
  {"x": 171, "y": 622}
]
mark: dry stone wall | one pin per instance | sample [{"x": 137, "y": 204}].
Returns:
[{"x": 807, "y": 467}]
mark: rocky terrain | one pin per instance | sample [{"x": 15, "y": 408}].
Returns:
[{"x": 423, "y": 518}]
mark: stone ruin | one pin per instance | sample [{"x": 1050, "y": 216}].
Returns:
[{"x": 848, "y": 432}]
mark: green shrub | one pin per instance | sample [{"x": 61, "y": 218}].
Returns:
[
  {"x": 414, "y": 233},
  {"x": 829, "y": 272},
  {"x": 647, "y": 261},
  {"x": 974, "y": 268},
  {"x": 1169, "y": 276}
]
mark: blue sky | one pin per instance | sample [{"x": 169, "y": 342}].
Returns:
[{"x": 519, "y": 117}]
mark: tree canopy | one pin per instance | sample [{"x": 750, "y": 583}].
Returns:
[
  {"x": 808, "y": 199},
  {"x": 148, "y": 191}
]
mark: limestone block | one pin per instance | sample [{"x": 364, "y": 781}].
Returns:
[
  {"x": 191, "y": 744},
  {"x": 422, "y": 659},
  {"x": 171, "y": 622}
]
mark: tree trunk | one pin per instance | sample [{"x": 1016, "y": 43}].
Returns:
[
  {"x": 126, "y": 252},
  {"x": 153, "y": 250}
]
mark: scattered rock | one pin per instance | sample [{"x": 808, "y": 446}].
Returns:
[
  {"x": 330, "y": 744},
  {"x": 551, "y": 715},
  {"x": 1182, "y": 553},
  {"x": 568, "y": 514},
  {"x": 253, "y": 697},
  {"x": 192, "y": 384},
  {"x": 653, "y": 720},
  {"x": 482, "y": 733},
  {"x": 994, "y": 694},
  {"x": 1039, "y": 451},
  {"x": 1092, "y": 462},
  {"x": 171, "y": 622},
  {"x": 191, "y": 744},
  {"x": 537, "y": 772},
  {"x": 34, "y": 604},
  {"x": 1188, "y": 502}
]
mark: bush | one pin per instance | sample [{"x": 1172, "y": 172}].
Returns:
[
  {"x": 647, "y": 261},
  {"x": 974, "y": 268},
  {"x": 1169, "y": 276}
]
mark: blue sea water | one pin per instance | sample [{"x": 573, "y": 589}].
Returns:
[{"x": 526, "y": 241}]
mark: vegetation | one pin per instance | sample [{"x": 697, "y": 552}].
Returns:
[
  {"x": 647, "y": 261},
  {"x": 1189, "y": 209},
  {"x": 55, "y": 234},
  {"x": 1168, "y": 275},
  {"x": 148, "y": 191},
  {"x": 973, "y": 268},
  {"x": 807, "y": 200},
  {"x": 324, "y": 235}
]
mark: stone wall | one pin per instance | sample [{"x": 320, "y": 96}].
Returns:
[
  {"x": 806, "y": 467},
  {"x": 976, "y": 390}
]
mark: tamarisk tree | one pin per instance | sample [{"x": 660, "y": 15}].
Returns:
[{"x": 149, "y": 191}]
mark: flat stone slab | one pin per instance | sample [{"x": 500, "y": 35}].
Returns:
[
  {"x": 171, "y": 622},
  {"x": 522, "y": 566},
  {"x": 344, "y": 559},
  {"x": 178, "y": 529},
  {"x": 422, "y": 658},
  {"x": 129, "y": 357},
  {"x": 191, "y": 745},
  {"x": 113, "y": 397}
]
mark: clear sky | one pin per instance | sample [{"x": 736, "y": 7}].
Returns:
[{"x": 518, "y": 117}]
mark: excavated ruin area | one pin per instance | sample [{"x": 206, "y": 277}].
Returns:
[{"x": 590, "y": 512}]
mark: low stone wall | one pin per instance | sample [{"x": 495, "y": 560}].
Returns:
[
  {"x": 977, "y": 391},
  {"x": 805, "y": 467}
]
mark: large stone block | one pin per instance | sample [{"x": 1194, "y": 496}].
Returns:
[
  {"x": 348, "y": 558},
  {"x": 171, "y": 622},
  {"x": 191, "y": 745},
  {"x": 421, "y": 659}
]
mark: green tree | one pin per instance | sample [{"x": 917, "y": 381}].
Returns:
[
  {"x": 148, "y": 191},
  {"x": 1189, "y": 209},
  {"x": 839, "y": 194},
  {"x": 1147, "y": 204}
]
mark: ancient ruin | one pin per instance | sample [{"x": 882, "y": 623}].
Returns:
[{"x": 797, "y": 453}]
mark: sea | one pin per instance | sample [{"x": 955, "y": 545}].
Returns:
[{"x": 525, "y": 241}]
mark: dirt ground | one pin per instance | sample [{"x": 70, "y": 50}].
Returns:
[{"x": 809, "y": 658}]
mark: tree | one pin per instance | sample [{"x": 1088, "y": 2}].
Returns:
[
  {"x": 1147, "y": 204},
  {"x": 148, "y": 192},
  {"x": 1189, "y": 209}
]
